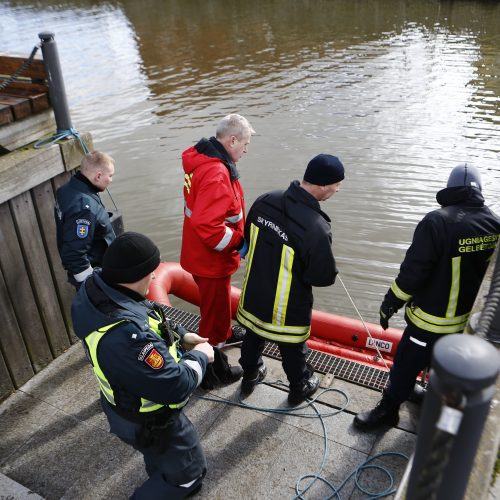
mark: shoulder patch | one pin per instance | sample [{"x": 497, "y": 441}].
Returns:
[
  {"x": 82, "y": 230},
  {"x": 155, "y": 360},
  {"x": 145, "y": 351}
]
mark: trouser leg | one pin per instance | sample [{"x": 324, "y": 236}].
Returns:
[
  {"x": 251, "y": 353},
  {"x": 412, "y": 356},
  {"x": 215, "y": 308},
  {"x": 293, "y": 358}
]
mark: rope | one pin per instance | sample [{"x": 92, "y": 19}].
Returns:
[
  {"x": 364, "y": 324},
  {"x": 59, "y": 136},
  {"x": 21, "y": 69},
  {"x": 316, "y": 477}
]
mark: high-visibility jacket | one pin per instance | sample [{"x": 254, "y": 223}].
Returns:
[
  {"x": 135, "y": 366},
  {"x": 445, "y": 263},
  {"x": 289, "y": 253},
  {"x": 92, "y": 342},
  {"x": 214, "y": 211}
]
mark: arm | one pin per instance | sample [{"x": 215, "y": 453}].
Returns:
[
  {"x": 77, "y": 237},
  {"x": 320, "y": 268},
  {"x": 213, "y": 200}
]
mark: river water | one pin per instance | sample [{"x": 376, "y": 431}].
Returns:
[{"x": 401, "y": 91}]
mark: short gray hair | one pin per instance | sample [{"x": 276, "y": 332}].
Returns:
[{"x": 234, "y": 124}]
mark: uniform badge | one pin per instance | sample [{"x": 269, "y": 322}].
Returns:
[
  {"x": 155, "y": 360},
  {"x": 82, "y": 230}
]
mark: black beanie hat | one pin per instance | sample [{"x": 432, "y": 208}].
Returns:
[
  {"x": 323, "y": 170},
  {"x": 129, "y": 258}
]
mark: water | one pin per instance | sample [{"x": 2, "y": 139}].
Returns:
[{"x": 401, "y": 91}]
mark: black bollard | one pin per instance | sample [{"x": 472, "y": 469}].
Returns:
[
  {"x": 461, "y": 386},
  {"x": 57, "y": 92}
]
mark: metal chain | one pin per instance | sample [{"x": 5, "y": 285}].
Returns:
[{"x": 21, "y": 68}]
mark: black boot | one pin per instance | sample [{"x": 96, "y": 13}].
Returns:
[
  {"x": 306, "y": 390},
  {"x": 248, "y": 384},
  {"x": 385, "y": 414}
]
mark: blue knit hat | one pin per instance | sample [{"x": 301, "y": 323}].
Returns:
[{"x": 323, "y": 170}]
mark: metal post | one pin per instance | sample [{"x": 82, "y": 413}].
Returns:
[
  {"x": 461, "y": 386},
  {"x": 57, "y": 92}
]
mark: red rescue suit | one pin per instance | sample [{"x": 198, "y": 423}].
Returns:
[{"x": 214, "y": 221}]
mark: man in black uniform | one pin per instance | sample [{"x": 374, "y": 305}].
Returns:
[
  {"x": 83, "y": 226},
  {"x": 146, "y": 366},
  {"x": 290, "y": 251},
  {"x": 438, "y": 282}
]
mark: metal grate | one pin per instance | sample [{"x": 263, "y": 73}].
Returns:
[{"x": 341, "y": 368}]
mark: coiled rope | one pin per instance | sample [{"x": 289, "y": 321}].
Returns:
[{"x": 317, "y": 477}]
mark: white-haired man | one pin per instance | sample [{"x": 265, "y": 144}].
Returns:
[{"x": 214, "y": 220}]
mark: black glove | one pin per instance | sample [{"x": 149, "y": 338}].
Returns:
[{"x": 386, "y": 313}]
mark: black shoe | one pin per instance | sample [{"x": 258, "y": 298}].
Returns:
[
  {"x": 309, "y": 387},
  {"x": 385, "y": 414},
  {"x": 248, "y": 385}
]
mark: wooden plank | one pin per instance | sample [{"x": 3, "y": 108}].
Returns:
[
  {"x": 10, "y": 64},
  {"x": 20, "y": 133},
  {"x": 39, "y": 271},
  {"x": 43, "y": 197},
  {"x": 21, "y": 106},
  {"x": 6, "y": 384},
  {"x": 6, "y": 115},
  {"x": 39, "y": 100},
  {"x": 25, "y": 88},
  {"x": 21, "y": 293},
  {"x": 72, "y": 153},
  {"x": 26, "y": 168},
  {"x": 11, "y": 341}
]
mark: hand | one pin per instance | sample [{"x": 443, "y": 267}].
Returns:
[
  {"x": 244, "y": 248},
  {"x": 385, "y": 313},
  {"x": 192, "y": 339},
  {"x": 206, "y": 348}
]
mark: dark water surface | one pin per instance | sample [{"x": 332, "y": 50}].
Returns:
[{"x": 401, "y": 91}]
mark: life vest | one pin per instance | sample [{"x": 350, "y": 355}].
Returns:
[{"x": 92, "y": 342}]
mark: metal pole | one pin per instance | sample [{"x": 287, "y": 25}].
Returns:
[
  {"x": 461, "y": 387},
  {"x": 57, "y": 92}
]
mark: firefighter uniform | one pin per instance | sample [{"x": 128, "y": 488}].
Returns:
[
  {"x": 83, "y": 227},
  {"x": 145, "y": 380},
  {"x": 289, "y": 252},
  {"x": 439, "y": 279},
  {"x": 212, "y": 232}
]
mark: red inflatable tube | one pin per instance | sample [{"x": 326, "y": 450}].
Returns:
[{"x": 329, "y": 332}]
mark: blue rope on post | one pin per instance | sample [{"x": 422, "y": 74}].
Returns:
[{"x": 59, "y": 136}]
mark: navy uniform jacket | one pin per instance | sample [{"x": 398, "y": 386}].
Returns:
[
  {"x": 445, "y": 264},
  {"x": 124, "y": 352},
  {"x": 290, "y": 251},
  {"x": 83, "y": 226}
]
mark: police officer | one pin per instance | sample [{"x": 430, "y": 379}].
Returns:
[
  {"x": 437, "y": 282},
  {"x": 290, "y": 251},
  {"x": 83, "y": 226},
  {"x": 146, "y": 366}
]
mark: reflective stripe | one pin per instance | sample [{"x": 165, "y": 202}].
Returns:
[
  {"x": 254, "y": 234},
  {"x": 455, "y": 287},
  {"x": 196, "y": 367},
  {"x": 187, "y": 212},
  {"x": 283, "y": 286},
  {"x": 92, "y": 341},
  {"x": 224, "y": 242},
  {"x": 262, "y": 328},
  {"x": 187, "y": 182},
  {"x": 442, "y": 326},
  {"x": 399, "y": 293},
  {"x": 235, "y": 218},
  {"x": 418, "y": 342}
]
